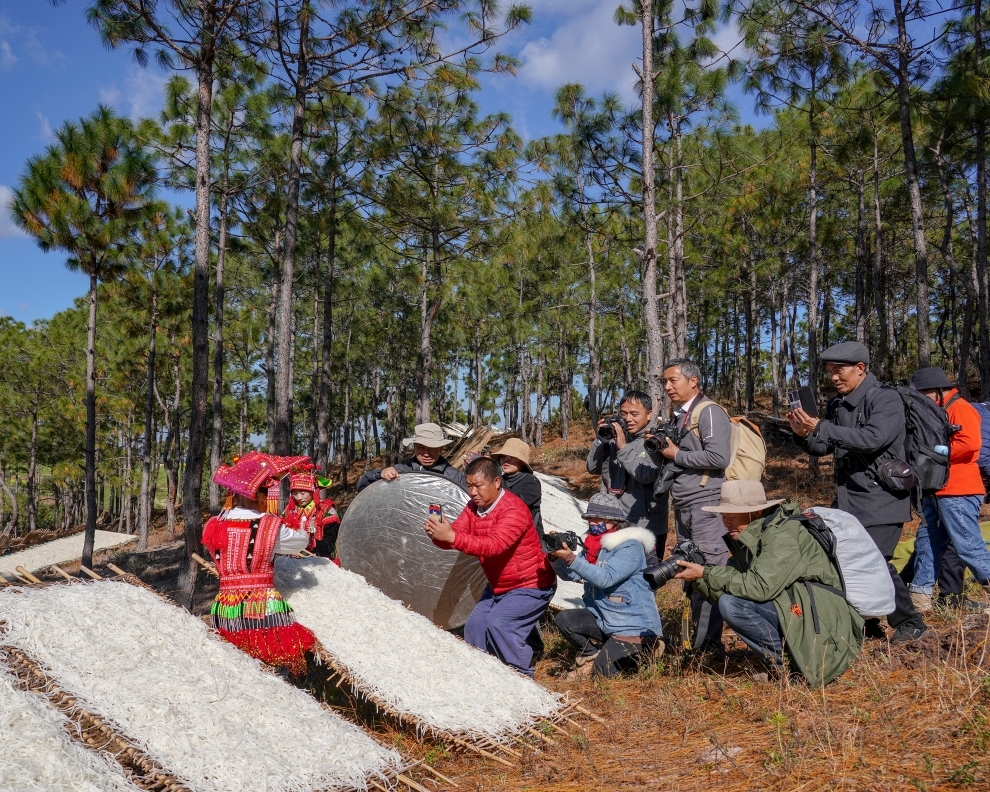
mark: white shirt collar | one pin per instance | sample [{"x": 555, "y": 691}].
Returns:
[
  {"x": 238, "y": 513},
  {"x": 686, "y": 407},
  {"x": 485, "y": 512}
]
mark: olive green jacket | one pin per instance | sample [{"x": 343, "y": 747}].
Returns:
[{"x": 771, "y": 560}]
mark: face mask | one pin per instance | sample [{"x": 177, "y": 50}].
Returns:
[{"x": 597, "y": 529}]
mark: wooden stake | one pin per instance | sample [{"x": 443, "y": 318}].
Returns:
[
  {"x": 481, "y": 751},
  {"x": 24, "y": 573},
  {"x": 90, "y": 573},
  {"x": 439, "y": 775},
  {"x": 410, "y": 783},
  {"x": 591, "y": 715},
  {"x": 62, "y": 572},
  {"x": 542, "y": 736},
  {"x": 205, "y": 564},
  {"x": 117, "y": 570}
]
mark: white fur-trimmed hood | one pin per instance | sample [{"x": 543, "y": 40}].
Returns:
[{"x": 612, "y": 540}]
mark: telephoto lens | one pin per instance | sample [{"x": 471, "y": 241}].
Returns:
[{"x": 658, "y": 576}]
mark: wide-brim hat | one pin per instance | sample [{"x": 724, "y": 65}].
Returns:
[
  {"x": 930, "y": 378},
  {"x": 514, "y": 447},
  {"x": 255, "y": 471},
  {"x": 605, "y": 506},
  {"x": 429, "y": 435},
  {"x": 742, "y": 497}
]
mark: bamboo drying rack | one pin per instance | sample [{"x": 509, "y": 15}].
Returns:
[
  {"x": 101, "y": 736},
  {"x": 497, "y": 751}
]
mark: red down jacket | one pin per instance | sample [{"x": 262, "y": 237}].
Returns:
[{"x": 506, "y": 543}]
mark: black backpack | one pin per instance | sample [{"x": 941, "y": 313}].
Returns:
[{"x": 926, "y": 427}]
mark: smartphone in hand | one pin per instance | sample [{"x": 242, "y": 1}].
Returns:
[
  {"x": 803, "y": 399},
  {"x": 436, "y": 510}
]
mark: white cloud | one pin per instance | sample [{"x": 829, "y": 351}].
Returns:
[
  {"x": 25, "y": 40},
  {"x": 44, "y": 128},
  {"x": 8, "y": 228},
  {"x": 7, "y": 56},
  {"x": 142, "y": 95},
  {"x": 586, "y": 47}
]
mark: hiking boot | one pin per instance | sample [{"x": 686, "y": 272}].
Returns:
[
  {"x": 908, "y": 632},
  {"x": 874, "y": 631},
  {"x": 922, "y": 602},
  {"x": 962, "y": 603}
]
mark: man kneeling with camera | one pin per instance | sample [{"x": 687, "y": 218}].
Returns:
[
  {"x": 779, "y": 592},
  {"x": 620, "y": 613}
]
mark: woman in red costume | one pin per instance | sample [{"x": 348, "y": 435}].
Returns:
[
  {"x": 307, "y": 512},
  {"x": 244, "y": 540}
]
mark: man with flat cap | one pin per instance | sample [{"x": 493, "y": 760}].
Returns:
[{"x": 862, "y": 426}]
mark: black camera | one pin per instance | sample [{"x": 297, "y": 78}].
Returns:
[
  {"x": 554, "y": 541},
  {"x": 657, "y": 439},
  {"x": 658, "y": 576},
  {"x": 606, "y": 432}
]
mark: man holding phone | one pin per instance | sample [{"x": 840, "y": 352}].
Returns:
[
  {"x": 497, "y": 527},
  {"x": 864, "y": 425}
]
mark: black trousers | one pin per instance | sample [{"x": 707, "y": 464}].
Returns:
[
  {"x": 886, "y": 537},
  {"x": 950, "y": 575},
  {"x": 578, "y": 625}
]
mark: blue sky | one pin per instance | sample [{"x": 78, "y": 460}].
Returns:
[{"x": 53, "y": 68}]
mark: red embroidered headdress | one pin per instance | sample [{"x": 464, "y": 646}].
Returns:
[
  {"x": 303, "y": 481},
  {"x": 255, "y": 471}
]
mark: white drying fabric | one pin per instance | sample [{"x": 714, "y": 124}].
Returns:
[
  {"x": 562, "y": 512},
  {"x": 404, "y": 661},
  {"x": 59, "y": 551},
  {"x": 207, "y": 712},
  {"x": 37, "y": 755}
]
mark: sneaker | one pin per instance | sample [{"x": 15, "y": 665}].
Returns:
[
  {"x": 922, "y": 602},
  {"x": 962, "y": 603},
  {"x": 907, "y": 633},
  {"x": 583, "y": 660}
]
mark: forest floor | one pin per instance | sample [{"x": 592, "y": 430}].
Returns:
[{"x": 903, "y": 717}]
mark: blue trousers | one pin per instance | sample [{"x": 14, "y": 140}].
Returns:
[
  {"x": 954, "y": 518},
  {"x": 500, "y": 624},
  {"x": 756, "y": 623}
]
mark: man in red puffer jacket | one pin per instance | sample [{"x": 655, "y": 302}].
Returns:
[{"x": 497, "y": 527}]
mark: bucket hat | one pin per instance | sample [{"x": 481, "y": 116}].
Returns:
[
  {"x": 429, "y": 435},
  {"x": 605, "y": 506},
  {"x": 930, "y": 378},
  {"x": 514, "y": 447},
  {"x": 741, "y": 497}
]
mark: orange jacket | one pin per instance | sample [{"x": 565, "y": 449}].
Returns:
[{"x": 964, "y": 449}]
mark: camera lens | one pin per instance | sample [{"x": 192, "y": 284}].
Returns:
[
  {"x": 652, "y": 444},
  {"x": 606, "y": 432},
  {"x": 658, "y": 576}
]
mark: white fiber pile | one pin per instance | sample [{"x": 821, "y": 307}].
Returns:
[
  {"x": 59, "y": 551},
  {"x": 37, "y": 755},
  {"x": 404, "y": 661},
  {"x": 205, "y": 711},
  {"x": 562, "y": 512}
]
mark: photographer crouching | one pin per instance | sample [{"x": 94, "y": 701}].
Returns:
[
  {"x": 620, "y": 617},
  {"x": 628, "y": 472},
  {"x": 779, "y": 591},
  {"x": 695, "y": 469}
]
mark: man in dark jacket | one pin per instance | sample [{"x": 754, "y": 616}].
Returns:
[
  {"x": 427, "y": 441},
  {"x": 518, "y": 478},
  {"x": 628, "y": 471},
  {"x": 863, "y": 426}
]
